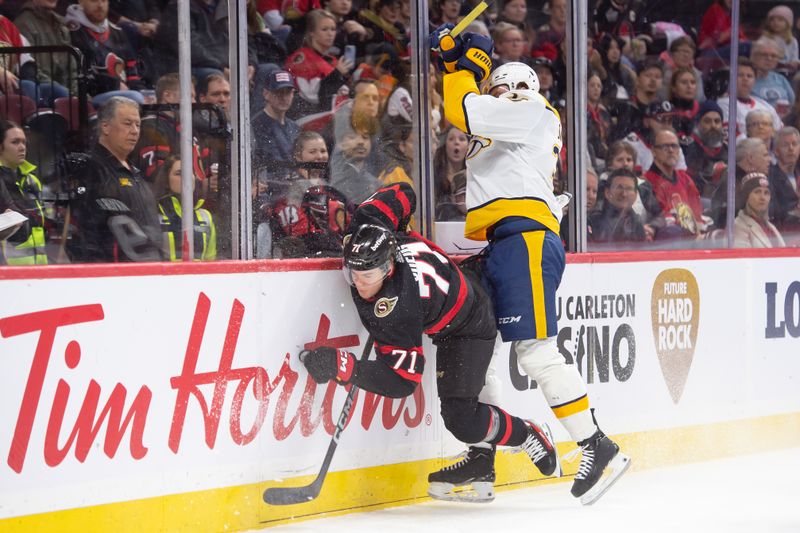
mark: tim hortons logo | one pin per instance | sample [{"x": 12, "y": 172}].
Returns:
[
  {"x": 109, "y": 416},
  {"x": 675, "y": 314}
]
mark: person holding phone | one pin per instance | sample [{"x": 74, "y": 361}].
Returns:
[{"x": 319, "y": 74}]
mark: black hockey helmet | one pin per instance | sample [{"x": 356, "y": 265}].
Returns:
[{"x": 368, "y": 247}]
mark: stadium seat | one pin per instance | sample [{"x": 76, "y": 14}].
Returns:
[
  {"x": 67, "y": 107},
  {"x": 16, "y": 107}
]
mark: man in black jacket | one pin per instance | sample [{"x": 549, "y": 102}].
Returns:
[
  {"x": 209, "y": 45},
  {"x": 617, "y": 222},
  {"x": 117, "y": 213}
]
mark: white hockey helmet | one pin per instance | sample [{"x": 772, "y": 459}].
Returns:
[{"x": 514, "y": 75}]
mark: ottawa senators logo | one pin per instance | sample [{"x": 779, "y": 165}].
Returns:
[
  {"x": 384, "y": 306},
  {"x": 476, "y": 144}
]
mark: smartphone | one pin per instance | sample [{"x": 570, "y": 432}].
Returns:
[{"x": 350, "y": 53}]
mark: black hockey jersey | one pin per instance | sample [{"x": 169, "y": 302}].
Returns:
[{"x": 426, "y": 293}]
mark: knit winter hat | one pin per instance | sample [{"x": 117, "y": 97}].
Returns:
[
  {"x": 749, "y": 183},
  {"x": 707, "y": 107},
  {"x": 782, "y": 11}
]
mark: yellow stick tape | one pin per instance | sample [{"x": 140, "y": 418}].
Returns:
[{"x": 471, "y": 16}]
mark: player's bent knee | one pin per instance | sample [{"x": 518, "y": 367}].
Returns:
[
  {"x": 460, "y": 416},
  {"x": 537, "y": 355}
]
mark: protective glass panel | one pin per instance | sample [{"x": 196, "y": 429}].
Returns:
[
  {"x": 331, "y": 121},
  {"x": 93, "y": 86}
]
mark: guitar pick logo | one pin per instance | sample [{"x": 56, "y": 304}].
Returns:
[{"x": 675, "y": 314}]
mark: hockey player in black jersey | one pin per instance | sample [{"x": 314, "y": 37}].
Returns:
[{"x": 404, "y": 286}]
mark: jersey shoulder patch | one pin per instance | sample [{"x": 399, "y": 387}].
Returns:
[{"x": 384, "y": 306}]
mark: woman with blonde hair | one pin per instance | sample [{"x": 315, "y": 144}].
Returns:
[{"x": 319, "y": 75}]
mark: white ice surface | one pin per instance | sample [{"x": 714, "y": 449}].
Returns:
[{"x": 744, "y": 494}]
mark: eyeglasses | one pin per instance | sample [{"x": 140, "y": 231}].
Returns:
[{"x": 667, "y": 146}]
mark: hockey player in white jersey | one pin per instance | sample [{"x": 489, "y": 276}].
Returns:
[{"x": 515, "y": 141}]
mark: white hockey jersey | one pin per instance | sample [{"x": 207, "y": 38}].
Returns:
[{"x": 511, "y": 160}]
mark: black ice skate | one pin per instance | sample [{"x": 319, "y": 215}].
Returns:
[
  {"x": 476, "y": 469},
  {"x": 601, "y": 465},
  {"x": 541, "y": 448}
]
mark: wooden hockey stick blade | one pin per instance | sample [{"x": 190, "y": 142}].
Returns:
[
  {"x": 470, "y": 18},
  {"x": 306, "y": 493}
]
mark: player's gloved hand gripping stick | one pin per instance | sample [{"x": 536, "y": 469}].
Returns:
[
  {"x": 472, "y": 52},
  {"x": 443, "y": 39},
  {"x": 293, "y": 495}
]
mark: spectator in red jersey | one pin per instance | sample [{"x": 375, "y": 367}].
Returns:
[
  {"x": 715, "y": 28},
  {"x": 319, "y": 76},
  {"x": 106, "y": 50},
  {"x": 674, "y": 189}
]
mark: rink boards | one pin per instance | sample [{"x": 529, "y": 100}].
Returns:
[{"x": 168, "y": 397}]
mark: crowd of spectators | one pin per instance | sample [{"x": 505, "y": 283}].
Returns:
[
  {"x": 331, "y": 119},
  {"x": 660, "y": 96}
]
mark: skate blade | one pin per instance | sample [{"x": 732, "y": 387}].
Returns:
[
  {"x": 613, "y": 471},
  {"x": 558, "y": 472},
  {"x": 479, "y": 492}
]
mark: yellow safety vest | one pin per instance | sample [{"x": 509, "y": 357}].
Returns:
[
  {"x": 205, "y": 232},
  {"x": 32, "y": 250}
]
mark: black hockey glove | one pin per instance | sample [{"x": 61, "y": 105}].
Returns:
[
  {"x": 449, "y": 48},
  {"x": 325, "y": 364},
  {"x": 477, "y": 57}
]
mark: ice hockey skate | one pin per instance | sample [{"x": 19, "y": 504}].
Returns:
[
  {"x": 602, "y": 464},
  {"x": 541, "y": 448},
  {"x": 475, "y": 470}
]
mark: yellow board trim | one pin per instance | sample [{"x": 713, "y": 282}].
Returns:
[
  {"x": 241, "y": 508},
  {"x": 563, "y": 411},
  {"x": 534, "y": 240},
  {"x": 482, "y": 218}
]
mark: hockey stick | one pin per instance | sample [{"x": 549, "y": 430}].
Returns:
[
  {"x": 293, "y": 495},
  {"x": 469, "y": 18}
]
